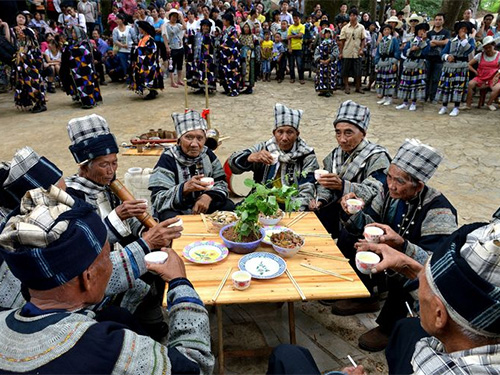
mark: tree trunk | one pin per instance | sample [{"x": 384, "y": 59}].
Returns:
[
  {"x": 381, "y": 12},
  {"x": 355, "y": 3},
  {"x": 452, "y": 10},
  {"x": 373, "y": 10},
  {"x": 472, "y": 4}
]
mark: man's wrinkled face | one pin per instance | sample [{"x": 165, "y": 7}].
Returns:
[
  {"x": 192, "y": 143},
  {"x": 348, "y": 136},
  {"x": 286, "y": 137},
  {"x": 101, "y": 170},
  {"x": 400, "y": 184}
]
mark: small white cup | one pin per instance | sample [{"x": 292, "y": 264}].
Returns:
[
  {"x": 373, "y": 234},
  {"x": 241, "y": 280},
  {"x": 208, "y": 181},
  {"x": 320, "y": 172},
  {"x": 365, "y": 261},
  {"x": 275, "y": 156},
  {"x": 354, "y": 205},
  {"x": 156, "y": 257},
  {"x": 176, "y": 224}
]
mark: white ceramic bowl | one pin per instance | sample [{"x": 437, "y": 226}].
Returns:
[
  {"x": 320, "y": 172},
  {"x": 373, "y": 234},
  {"x": 354, "y": 205},
  {"x": 365, "y": 261},
  {"x": 176, "y": 224},
  {"x": 269, "y": 221},
  {"x": 288, "y": 252},
  {"x": 156, "y": 257},
  {"x": 208, "y": 181},
  {"x": 241, "y": 280}
]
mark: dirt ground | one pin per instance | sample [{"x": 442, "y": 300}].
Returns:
[{"x": 468, "y": 176}]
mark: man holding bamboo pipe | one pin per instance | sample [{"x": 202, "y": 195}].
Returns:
[{"x": 95, "y": 150}]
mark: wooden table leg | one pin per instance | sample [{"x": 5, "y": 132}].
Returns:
[
  {"x": 291, "y": 323},
  {"x": 220, "y": 340}
]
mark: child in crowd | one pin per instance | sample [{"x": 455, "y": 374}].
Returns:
[
  {"x": 279, "y": 57},
  {"x": 267, "y": 55}
]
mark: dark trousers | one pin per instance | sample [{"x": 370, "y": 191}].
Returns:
[
  {"x": 329, "y": 217},
  {"x": 433, "y": 75},
  {"x": 225, "y": 205},
  {"x": 99, "y": 66},
  {"x": 296, "y": 57},
  {"x": 291, "y": 359},
  {"x": 90, "y": 28},
  {"x": 280, "y": 66},
  {"x": 401, "y": 347},
  {"x": 124, "y": 60}
]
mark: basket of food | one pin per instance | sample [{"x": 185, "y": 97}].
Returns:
[
  {"x": 287, "y": 243},
  {"x": 220, "y": 219}
]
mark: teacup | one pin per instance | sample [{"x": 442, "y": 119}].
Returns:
[
  {"x": 275, "y": 156},
  {"x": 156, "y": 257},
  {"x": 208, "y": 182},
  {"x": 365, "y": 261},
  {"x": 373, "y": 234},
  {"x": 176, "y": 224},
  {"x": 241, "y": 280},
  {"x": 320, "y": 172},
  {"x": 354, "y": 205}
]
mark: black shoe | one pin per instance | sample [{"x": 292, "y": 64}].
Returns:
[
  {"x": 51, "y": 89},
  {"x": 234, "y": 94},
  {"x": 152, "y": 95},
  {"x": 328, "y": 94},
  {"x": 248, "y": 91},
  {"x": 37, "y": 109},
  {"x": 87, "y": 106},
  {"x": 103, "y": 83}
]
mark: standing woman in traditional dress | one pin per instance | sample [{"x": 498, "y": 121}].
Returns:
[
  {"x": 192, "y": 28},
  {"x": 29, "y": 90},
  {"x": 325, "y": 56},
  {"x": 248, "y": 57},
  {"x": 386, "y": 65},
  {"x": 204, "y": 56},
  {"x": 413, "y": 79},
  {"x": 78, "y": 73},
  {"x": 146, "y": 70},
  {"x": 452, "y": 86},
  {"x": 229, "y": 63}
]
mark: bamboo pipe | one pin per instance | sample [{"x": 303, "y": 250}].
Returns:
[{"x": 121, "y": 191}]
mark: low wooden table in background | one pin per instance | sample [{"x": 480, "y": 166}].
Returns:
[{"x": 206, "y": 278}]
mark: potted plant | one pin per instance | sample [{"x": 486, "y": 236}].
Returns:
[{"x": 245, "y": 235}]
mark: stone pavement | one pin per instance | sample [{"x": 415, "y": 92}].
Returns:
[{"x": 469, "y": 177}]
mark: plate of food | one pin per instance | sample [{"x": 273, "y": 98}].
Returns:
[
  {"x": 205, "y": 252},
  {"x": 262, "y": 265},
  {"x": 220, "y": 219},
  {"x": 272, "y": 230}
]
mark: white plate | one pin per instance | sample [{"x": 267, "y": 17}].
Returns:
[{"x": 262, "y": 265}]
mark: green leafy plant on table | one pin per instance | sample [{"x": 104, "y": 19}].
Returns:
[{"x": 263, "y": 200}]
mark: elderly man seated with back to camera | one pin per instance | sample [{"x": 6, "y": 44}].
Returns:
[
  {"x": 58, "y": 249},
  {"x": 179, "y": 184},
  {"x": 283, "y": 160},
  {"x": 458, "y": 332}
]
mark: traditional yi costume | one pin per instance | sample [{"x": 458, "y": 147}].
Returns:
[
  {"x": 249, "y": 56},
  {"x": 175, "y": 168},
  {"x": 386, "y": 64},
  {"x": 58, "y": 339},
  {"x": 229, "y": 62},
  {"x": 78, "y": 73},
  {"x": 326, "y": 74},
  {"x": 295, "y": 166},
  {"x": 146, "y": 68},
  {"x": 29, "y": 90},
  {"x": 204, "y": 50},
  {"x": 414, "y": 74},
  {"x": 363, "y": 171},
  {"x": 452, "y": 86}
]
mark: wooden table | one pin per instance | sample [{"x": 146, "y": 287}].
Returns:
[
  {"x": 154, "y": 151},
  {"x": 315, "y": 286}
]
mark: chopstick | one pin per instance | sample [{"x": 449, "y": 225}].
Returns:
[
  {"x": 319, "y": 255},
  {"x": 409, "y": 310},
  {"x": 352, "y": 360},
  {"x": 199, "y": 235},
  {"x": 321, "y": 235},
  {"x": 297, "y": 218},
  {"x": 204, "y": 220},
  {"x": 292, "y": 279},
  {"x": 216, "y": 295},
  {"x": 326, "y": 272}
]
